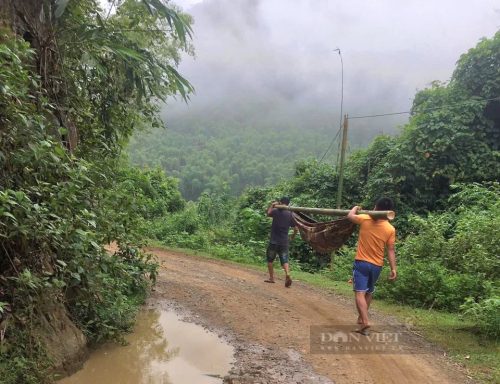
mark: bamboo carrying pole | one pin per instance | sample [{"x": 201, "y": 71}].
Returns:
[{"x": 338, "y": 212}]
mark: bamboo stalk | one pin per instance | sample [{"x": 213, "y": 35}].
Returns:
[{"x": 338, "y": 212}]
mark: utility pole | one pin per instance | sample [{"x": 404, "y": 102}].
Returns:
[{"x": 342, "y": 158}]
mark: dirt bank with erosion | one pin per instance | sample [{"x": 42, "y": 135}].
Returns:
[{"x": 269, "y": 326}]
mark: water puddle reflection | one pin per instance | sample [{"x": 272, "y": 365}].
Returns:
[{"x": 161, "y": 350}]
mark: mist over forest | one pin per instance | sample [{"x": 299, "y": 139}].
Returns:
[{"x": 268, "y": 82}]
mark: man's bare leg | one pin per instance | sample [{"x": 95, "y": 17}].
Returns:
[
  {"x": 271, "y": 271},
  {"x": 288, "y": 280},
  {"x": 368, "y": 297},
  {"x": 360, "y": 321},
  {"x": 361, "y": 305},
  {"x": 286, "y": 268}
]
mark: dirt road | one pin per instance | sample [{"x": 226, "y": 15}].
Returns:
[{"x": 269, "y": 325}]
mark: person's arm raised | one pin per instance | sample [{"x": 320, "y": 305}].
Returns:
[
  {"x": 271, "y": 207},
  {"x": 352, "y": 215}
]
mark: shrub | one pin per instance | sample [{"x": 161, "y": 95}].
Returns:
[
  {"x": 474, "y": 247},
  {"x": 342, "y": 262},
  {"x": 428, "y": 284},
  {"x": 485, "y": 314}
]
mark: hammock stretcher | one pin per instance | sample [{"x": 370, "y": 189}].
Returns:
[{"x": 326, "y": 237}]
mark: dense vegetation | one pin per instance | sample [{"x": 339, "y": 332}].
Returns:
[
  {"x": 73, "y": 87},
  {"x": 229, "y": 148},
  {"x": 442, "y": 172},
  {"x": 221, "y": 155}
]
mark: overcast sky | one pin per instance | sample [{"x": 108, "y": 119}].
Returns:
[{"x": 281, "y": 52}]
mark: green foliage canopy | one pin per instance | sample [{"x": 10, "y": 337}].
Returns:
[{"x": 72, "y": 90}]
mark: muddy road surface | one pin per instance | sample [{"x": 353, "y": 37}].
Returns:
[{"x": 270, "y": 328}]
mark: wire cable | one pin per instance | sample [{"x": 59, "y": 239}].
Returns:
[
  {"x": 110, "y": 8},
  {"x": 341, "y": 104},
  {"x": 427, "y": 109},
  {"x": 331, "y": 143},
  {"x": 379, "y": 115}
]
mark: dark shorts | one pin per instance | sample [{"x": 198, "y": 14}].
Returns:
[
  {"x": 274, "y": 250},
  {"x": 364, "y": 276}
]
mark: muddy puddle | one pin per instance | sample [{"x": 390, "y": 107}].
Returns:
[{"x": 161, "y": 350}]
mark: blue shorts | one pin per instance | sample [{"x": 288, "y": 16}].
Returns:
[
  {"x": 364, "y": 276},
  {"x": 274, "y": 250}
]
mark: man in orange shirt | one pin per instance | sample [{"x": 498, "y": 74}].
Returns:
[{"x": 374, "y": 237}]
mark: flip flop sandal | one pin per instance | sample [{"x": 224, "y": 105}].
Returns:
[
  {"x": 269, "y": 281},
  {"x": 363, "y": 331},
  {"x": 288, "y": 282}
]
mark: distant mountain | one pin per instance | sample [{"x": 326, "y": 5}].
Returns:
[{"x": 230, "y": 146}]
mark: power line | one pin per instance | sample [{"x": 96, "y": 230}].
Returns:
[
  {"x": 379, "y": 115},
  {"x": 331, "y": 143},
  {"x": 398, "y": 113},
  {"x": 341, "y": 104},
  {"x": 110, "y": 8},
  {"x": 426, "y": 110}
]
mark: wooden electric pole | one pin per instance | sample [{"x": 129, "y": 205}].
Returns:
[{"x": 342, "y": 158}]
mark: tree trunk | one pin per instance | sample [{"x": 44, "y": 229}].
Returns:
[{"x": 32, "y": 21}]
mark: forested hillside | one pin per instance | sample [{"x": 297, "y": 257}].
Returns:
[
  {"x": 224, "y": 155},
  {"x": 243, "y": 143}
]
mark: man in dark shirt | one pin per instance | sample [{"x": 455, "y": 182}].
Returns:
[{"x": 278, "y": 244}]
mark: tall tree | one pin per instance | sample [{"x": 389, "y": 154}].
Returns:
[{"x": 73, "y": 86}]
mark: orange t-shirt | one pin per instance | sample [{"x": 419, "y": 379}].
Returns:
[{"x": 374, "y": 235}]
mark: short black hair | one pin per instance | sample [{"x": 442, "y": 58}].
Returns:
[
  {"x": 285, "y": 200},
  {"x": 384, "y": 204}
]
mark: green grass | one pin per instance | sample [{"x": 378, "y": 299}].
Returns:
[
  {"x": 460, "y": 340},
  {"x": 449, "y": 331}
]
